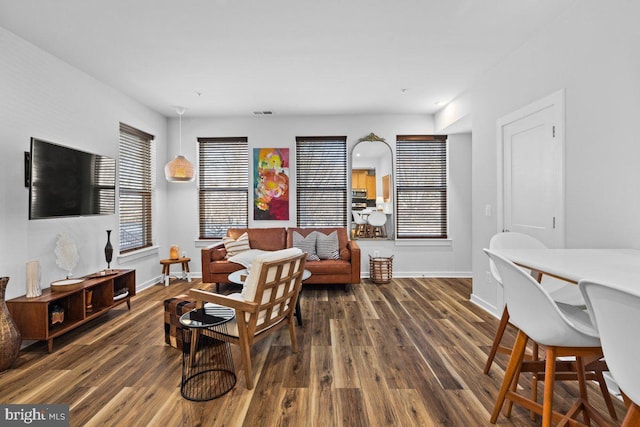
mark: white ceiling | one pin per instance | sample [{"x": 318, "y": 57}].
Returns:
[{"x": 285, "y": 56}]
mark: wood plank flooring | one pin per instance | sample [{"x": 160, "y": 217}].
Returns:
[{"x": 407, "y": 353}]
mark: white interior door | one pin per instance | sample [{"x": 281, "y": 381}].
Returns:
[{"x": 532, "y": 187}]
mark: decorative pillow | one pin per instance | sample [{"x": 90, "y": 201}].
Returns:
[
  {"x": 234, "y": 247},
  {"x": 306, "y": 244},
  {"x": 245, "y": 258},
  {"x": 327, "y": 246}
]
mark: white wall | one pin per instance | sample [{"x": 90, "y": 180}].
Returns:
[
  {"x": 410, "y": 259},
  {"x": 44, "y": 97},
  {"x": 592, "y": 52}
]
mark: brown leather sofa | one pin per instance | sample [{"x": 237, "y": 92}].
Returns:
[{"x": 346, "y": 270}]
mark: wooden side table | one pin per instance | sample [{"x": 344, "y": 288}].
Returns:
[{"x": 166, "y": 268}]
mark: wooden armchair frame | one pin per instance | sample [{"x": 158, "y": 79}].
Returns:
[{"x": 272, "y": 308}]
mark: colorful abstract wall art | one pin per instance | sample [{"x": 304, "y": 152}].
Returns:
[{"x": 271, "y": 183}]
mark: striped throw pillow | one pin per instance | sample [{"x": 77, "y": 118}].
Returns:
[
  {"x": 234, "y": 247},
  {"x": 327, "y": 246},
  {"x": 306, "y": 244}
]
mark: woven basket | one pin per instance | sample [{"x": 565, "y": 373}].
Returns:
[{"x": 380, "y": 269}]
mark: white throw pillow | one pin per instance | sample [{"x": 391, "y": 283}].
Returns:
[
  {"x": 327, "y": 247},
  {"x": 306, "y": 244},
  {"x": 250, "y": 285},
  {"x": 234, "y": 247},
  {"x": 246, "y": 258}
]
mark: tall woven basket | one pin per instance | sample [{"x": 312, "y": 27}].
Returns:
[
  {"x": 380, "y": 269},
  {"x": 10, "y": 338}
]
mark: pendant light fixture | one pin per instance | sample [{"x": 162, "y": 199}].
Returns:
[{"x": 179, "y": 169}]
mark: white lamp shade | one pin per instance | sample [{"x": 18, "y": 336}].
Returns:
[{"x": 179, "y": 170}]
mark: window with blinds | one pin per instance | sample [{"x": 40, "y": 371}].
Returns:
[
  {"x": 224, "y": 185},
  {"x": 421, "y": 186},
  {"x": 135, "y": 183},
  {"x": 321, "y": 181}
]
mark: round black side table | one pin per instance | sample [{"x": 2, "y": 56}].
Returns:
[{"x": 207, "y": 362}]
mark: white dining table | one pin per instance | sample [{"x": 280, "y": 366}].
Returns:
[{"x": 616, "y": 267}]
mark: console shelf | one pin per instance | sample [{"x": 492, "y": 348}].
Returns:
[{"x": 32, "y": 315}]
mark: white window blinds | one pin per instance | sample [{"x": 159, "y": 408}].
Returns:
[
  {"x": 321, "y": 181},
  {"x": 224, "y": 185},
  {"x": 134, "y": 179},
  {"x": 421, "y": 186}
]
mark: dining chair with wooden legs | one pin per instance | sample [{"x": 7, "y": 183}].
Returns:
[
  {"x": 614, "y": 312},
  {"x": 361, "y": 225},
  {"x": 562, "y": 330},
  {"x": 559, "y": 291},
  {"x": 377, "y": 221}
]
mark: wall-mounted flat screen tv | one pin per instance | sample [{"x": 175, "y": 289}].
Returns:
[{"x": 67, "y": 182}]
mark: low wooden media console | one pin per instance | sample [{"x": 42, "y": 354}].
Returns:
[{"x": 32, "y": 315}]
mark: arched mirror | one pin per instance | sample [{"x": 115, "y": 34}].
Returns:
[{"x": 372, "y": 189}]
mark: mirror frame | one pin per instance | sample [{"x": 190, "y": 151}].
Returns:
[{"x": 392, "y": 196}]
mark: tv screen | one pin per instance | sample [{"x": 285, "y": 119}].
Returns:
[{"x": 68, "y": 182}]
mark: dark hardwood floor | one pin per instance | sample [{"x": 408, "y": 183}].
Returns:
[{"x": 408, "y": 353}]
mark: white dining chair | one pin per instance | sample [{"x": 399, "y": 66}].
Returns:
[
  {"x": 615, "y": 313},
  {"x": 564, "y": 331},
  {"x": 361, "y": 225},
  {"x": 559, "y": 290},
  {"x": 377, "y": 221}
]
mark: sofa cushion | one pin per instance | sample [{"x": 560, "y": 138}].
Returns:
[
  {"x": 306, "y": 244},
  {"x": 267, "y": 239},
  {"x": 328, "y": 267},
  {"x": 235, "y": 246}
]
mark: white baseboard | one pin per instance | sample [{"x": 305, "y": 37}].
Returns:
[
  {"x": 422, "y": 274},
  {"x": 489, "y": 308}
]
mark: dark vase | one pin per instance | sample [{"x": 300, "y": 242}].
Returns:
[
  {"x": 108, "y": 250},
  {"x": 10, "y": 338}
]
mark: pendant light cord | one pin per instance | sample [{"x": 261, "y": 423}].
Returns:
[
  {"x": 180, "y": 129},
  {"x": 180, "y": 111}
]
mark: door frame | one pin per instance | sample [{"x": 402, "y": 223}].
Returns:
[{"x": 557, "y": 100}]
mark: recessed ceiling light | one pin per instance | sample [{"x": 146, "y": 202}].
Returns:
[
  {"x": 439, "y": 103},
  {"x": 403, "y": 91},
  {"x": 260, "y": 113}
]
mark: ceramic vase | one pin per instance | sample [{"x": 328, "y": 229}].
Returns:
[
  {"x": 108, "y": 250},
  {"x": 10, "y": 338}
]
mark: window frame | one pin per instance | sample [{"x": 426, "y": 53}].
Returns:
[
  {"x": 135, "y": 188},
  {"x": 220, "y": 181},
  {"x": 409, "y": 158},
  {"x": 336, "y": 182}
]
